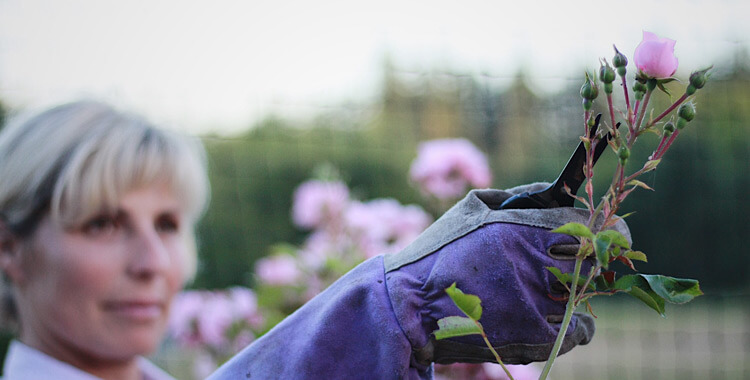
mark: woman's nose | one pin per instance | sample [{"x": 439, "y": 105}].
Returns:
[{"x": 149, "y": 255}]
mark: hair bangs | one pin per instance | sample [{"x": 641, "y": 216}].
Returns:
[{"x": 123, "y": 159}]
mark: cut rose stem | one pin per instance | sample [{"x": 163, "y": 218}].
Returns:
[{"x": 566, "y": 321}]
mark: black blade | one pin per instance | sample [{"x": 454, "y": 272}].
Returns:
[{"x": 572, "y": 175}]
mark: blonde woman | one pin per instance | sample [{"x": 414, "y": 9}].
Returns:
[{"x": 97, "y": 209}]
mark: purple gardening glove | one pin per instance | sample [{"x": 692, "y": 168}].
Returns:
[
  {"x": 501, "y": 256},
  {"x": 376, "y": 321}
]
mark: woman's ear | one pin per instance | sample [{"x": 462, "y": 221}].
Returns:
[{"x": 10, "y": 254}]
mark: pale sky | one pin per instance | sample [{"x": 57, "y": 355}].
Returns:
[{"x": 221, "y": 65}]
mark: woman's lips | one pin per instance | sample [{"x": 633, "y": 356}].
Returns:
[{"x": 137, "y": 310}]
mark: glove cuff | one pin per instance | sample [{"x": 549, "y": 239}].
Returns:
[{"x": 478, "y": 208}]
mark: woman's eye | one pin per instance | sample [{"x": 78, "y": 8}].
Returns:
[
  {"x": 167, "y": 223},
  {"x": 101, "y": 225}
]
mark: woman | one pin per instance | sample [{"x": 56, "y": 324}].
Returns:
[{"x": 97, "y": 210}]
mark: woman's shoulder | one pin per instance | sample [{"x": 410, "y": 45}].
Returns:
[{"x": 23, "y": 363}]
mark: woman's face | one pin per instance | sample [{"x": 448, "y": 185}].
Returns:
[{"x": 102, "y": 290}]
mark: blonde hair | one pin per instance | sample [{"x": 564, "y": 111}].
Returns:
[{"x": 75, "y": 160}]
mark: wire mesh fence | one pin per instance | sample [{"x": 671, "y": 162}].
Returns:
[{"x": 706, "y": 339}]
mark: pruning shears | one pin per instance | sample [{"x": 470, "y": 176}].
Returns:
[{"x": 572, "y": 175}]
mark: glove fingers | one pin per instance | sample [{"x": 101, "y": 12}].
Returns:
[{"x": 446, "y": 351}]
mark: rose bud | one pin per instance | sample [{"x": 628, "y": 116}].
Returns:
[
  {"x": 697, "y": 80},
  {"x": 687, "y": 111},
  {"x": 623, "y": 153},
  {"x": 606, "y": 73},
  {"x": 639, "y": 87},
  {"x": 669, "y": 127},
  {"x": 681, "y": 123},
  {"x": 620, "y": 61},
  {"x": 589, "y": 90}
]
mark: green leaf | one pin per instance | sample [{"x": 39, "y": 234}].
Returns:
[
  {"x": 638, "y": 183},
  {"x": 567, "y": 278},
  {"x": 449, "y": 327},
  {"x": 650, "y": 165},
  {"x": 637, "y": 286},
  {"x": 615, "y": 238},
  {"x": 664, "y": 89},
  {"x": 674, "y": 290},
  {"x": 574, "y": 229},
  {"x": 563, "y": 278},
  {"x": 627, "y": 281},
  {"x": 470, "y": 304},
  {"x": 601, "y": 284},
  {"x": 636, "y": 255},
  {"x": 650, "y": 298},
  {"x": 601, "y": 247},
  {"x": 605, "y": 281}
]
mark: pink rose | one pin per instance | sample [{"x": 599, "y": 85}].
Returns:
[{"x": 655, "y": 56}]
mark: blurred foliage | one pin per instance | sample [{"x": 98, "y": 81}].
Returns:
[
  {"x": 693, "y": 225},
  {"x": 253, "y": 178}
]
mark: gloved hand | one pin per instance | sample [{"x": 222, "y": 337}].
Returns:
[
  {"x": 501, "y": 256},
  {"x": 376, "y": 321}
]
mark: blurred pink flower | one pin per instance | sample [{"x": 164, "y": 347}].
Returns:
[
  {"x": 245, "y": 306},
  {"x": 446, "y": 168},
  {"x": 494, "y": 371},
  {"x": 485, "y": 371},
  {"x": 655, "y": 56},
  {"x": 185, "y": 309},
  {"x": 214, "y": 324},
  {"x": 317, "y": 247},
  {"x": 383, "y": 226},
  {"x": 201, "y": 317},
  {"x": 277, "y": 270},
  {"x": 316, "y": 202},
  {"x": 215, "y": 317}
]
